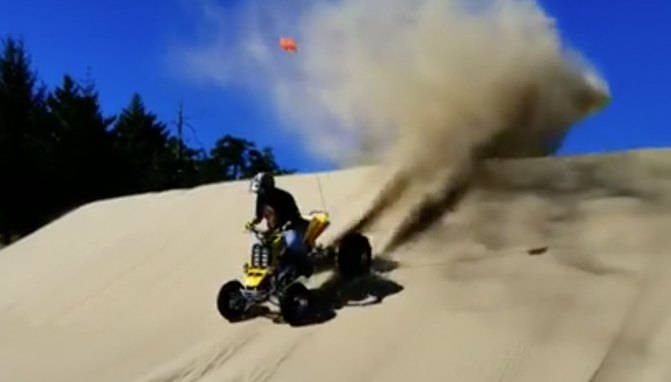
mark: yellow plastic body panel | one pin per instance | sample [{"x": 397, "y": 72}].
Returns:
[
  {"x": 254, "y": 276},
  {"x": 318, "y": 223}
]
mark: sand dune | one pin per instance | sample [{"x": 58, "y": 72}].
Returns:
[{"x": 124, "y": 290}]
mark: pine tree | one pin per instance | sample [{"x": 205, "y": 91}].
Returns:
[
  {"x": 24, "y": 142},
  {"x": 143, "y": 141},
  {"x": 86, "y": 167}
]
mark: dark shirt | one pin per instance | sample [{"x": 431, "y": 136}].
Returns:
[{"x": 281, "y": 202}]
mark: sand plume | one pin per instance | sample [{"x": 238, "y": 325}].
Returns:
[{"x": 427, "y": 87}]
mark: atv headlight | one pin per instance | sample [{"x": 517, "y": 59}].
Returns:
[{"x": 260, "y": 256}]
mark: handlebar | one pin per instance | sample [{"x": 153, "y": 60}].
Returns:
[
  {"x": 257, "y": 232},
  {"x": 261, "y": 234}
]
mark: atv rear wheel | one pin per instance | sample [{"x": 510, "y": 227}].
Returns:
[
  {"x": 230, "y": 301},
  {"x": 295, "y": 303},
  {"x": 354, "y": 255}
]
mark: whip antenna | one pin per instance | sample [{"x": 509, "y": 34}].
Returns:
[{"x": 321, "y": 193}]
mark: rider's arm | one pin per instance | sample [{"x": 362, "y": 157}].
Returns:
[{"x": 258, "y": 215}]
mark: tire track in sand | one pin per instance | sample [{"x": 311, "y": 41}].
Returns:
[{"x": 204, "y": 359}]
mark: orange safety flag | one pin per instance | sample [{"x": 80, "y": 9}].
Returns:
[{"x": 288, "y": 44}]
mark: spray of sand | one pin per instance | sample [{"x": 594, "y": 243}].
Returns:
[{"x": 427, "y": 87}]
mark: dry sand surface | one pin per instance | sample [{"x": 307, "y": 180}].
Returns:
[{"x": 124, "y": 290}]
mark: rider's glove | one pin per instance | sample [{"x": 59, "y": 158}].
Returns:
[{"x": 249, "y": 225}]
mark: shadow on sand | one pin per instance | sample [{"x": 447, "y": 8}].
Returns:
[{"x": 335, "y": 293}]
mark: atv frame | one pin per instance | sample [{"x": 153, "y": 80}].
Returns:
[{"x": 266, "y": 280}]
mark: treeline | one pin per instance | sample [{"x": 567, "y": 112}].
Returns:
[{"x": 58, "y": 150}]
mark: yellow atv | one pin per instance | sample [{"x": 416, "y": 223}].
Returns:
[{"x": 265, "y": 279}]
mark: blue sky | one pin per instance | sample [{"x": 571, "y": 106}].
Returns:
[{"x": 125, "y": 45}]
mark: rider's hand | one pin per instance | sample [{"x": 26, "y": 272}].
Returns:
[{"x": 249, "y": 225}]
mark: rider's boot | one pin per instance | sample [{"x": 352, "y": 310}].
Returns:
[{"x": 306, "y": 269}]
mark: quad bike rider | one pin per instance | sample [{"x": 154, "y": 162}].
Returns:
[
  {"x": 284, "y": 253},
  {"x": 278, "y": 207}
]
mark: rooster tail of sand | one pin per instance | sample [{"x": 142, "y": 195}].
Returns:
[
  {"x": 505, "y": 88},
  {"x": 426, "y": 87},
  {"x": 431, "y": 182}
]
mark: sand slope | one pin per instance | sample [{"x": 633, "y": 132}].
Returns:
[{"x": 124, "y": 290}]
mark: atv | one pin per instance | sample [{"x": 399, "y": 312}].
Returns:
[{"x": 266, "y": 279}]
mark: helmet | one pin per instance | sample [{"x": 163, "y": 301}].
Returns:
[{"x": 262, "y": 181}]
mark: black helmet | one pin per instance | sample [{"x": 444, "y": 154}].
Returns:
[{"x": 262, "y": 181}]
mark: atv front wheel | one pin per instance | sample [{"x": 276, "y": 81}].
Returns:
[
  {"x": 354, "y": 255},
  {"x": 230, "y": 302},
  {"x": 295, "y": 303}
]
